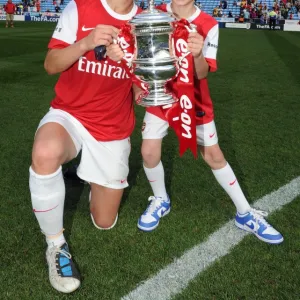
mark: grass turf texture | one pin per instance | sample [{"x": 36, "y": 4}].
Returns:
[{"x": 256, "y": 93}]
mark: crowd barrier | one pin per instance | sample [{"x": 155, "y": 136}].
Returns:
[
  {"x": 16, "y": 18},
  {"x": 225, "y": 20},
  {"x": 34, "y": 17},
  {"x": 284, "y": 25},
  {"x": 253, "y": 26},
  {"x": 292, "y": 25},
  {"x": 41, "y": 17}
]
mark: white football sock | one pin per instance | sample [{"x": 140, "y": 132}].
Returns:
[
  {"x": 48, "y": 197},
  {"x": 156, "y": 177},
  {"x": 229, "y": 183},
  {"x": 58, "y": 240}
]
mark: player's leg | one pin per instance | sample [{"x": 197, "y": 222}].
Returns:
[
  {"x": 153, "y": 131},
  {"x": 104, "y": 206},
  {"x": 153, "y": 167},
  {"x": 12, "y": 20},
  {"x": 7, "y": 20},
  {"x": 247, "y": 218},
  {"x": 105, "y": 166},
  {"x": 53, "y": 146},
  {"x": 225, "y": 176}
]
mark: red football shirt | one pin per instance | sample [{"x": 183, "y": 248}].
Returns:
[
  {"x": 97, "y": 93},
  {"x": 10, "y": 8},
  {"x": 208, "y": 27}
]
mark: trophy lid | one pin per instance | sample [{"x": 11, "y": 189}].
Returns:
[{"x": 152, "y": 16}]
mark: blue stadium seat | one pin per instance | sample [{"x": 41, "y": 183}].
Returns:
[{"x": 207, "y": 6}]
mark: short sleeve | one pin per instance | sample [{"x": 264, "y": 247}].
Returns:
[
  {"x": 65, "y": 32},
  {"x": 210, "y": 47}
]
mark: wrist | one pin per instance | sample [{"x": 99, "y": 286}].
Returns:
[
  {"x": 83, "y": 46},
  {"x": 199, "y": 55}
]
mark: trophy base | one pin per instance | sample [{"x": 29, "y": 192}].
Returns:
[
  {"x": 157, "y": 96},
  {"x": 147, "y": 102}
]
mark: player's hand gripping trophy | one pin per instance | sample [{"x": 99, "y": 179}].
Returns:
[{"x": 154, "y": 62}]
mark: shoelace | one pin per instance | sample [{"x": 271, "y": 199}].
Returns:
[
  {"x": 154, "y": 205},
  {"x": 259, "y": 216},
  {"x": 63, "y": 252}
]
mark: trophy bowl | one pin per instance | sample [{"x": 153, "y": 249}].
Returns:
[{"x": 154, "y": 63}]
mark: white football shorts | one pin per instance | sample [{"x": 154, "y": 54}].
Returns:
[
  {"x": 157, "y": 128},
  {"x": 103, "y": 163}
]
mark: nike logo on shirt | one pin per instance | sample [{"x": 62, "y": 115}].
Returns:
[{"x": 86, "y": 29}]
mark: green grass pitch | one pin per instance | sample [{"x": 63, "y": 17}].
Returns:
[{"x": 256, "y": 93}]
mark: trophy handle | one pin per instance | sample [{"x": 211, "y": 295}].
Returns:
[
  {"x": 100, "y": 52},
  {"x": 151, "y": 5}
]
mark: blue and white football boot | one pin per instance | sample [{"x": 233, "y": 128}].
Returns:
[
  {"x": 63, "y": 274},
  {"x": 254, "y": 222},
  {"x": 157, "y": 209}
]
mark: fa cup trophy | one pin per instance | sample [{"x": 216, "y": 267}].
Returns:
[{"x": 154, "y": 63}]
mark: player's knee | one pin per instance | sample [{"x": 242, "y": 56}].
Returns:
[
  {"x": 151, "y": 154},
  {"x": 215, "y": 159},
  {"x": 47, "y": 157},
  {"x": 218, "y": 161},
  {"x": 104, "y": 223}
]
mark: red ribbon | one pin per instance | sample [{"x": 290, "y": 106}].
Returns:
[
  {"x": 181, "y": 116},
  {"x": 127, "y": 43}
]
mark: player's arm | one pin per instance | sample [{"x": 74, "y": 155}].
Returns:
[
  {"x": 201, "y": 66},
  {"x": 204, "y": 51},
  {"x": 59, "y": 60},
  {"x": 195, "y": 46},
  {"x": 64, "y": 47}
]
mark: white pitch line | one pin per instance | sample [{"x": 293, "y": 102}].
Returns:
[{"x": 176, "y": 276}]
